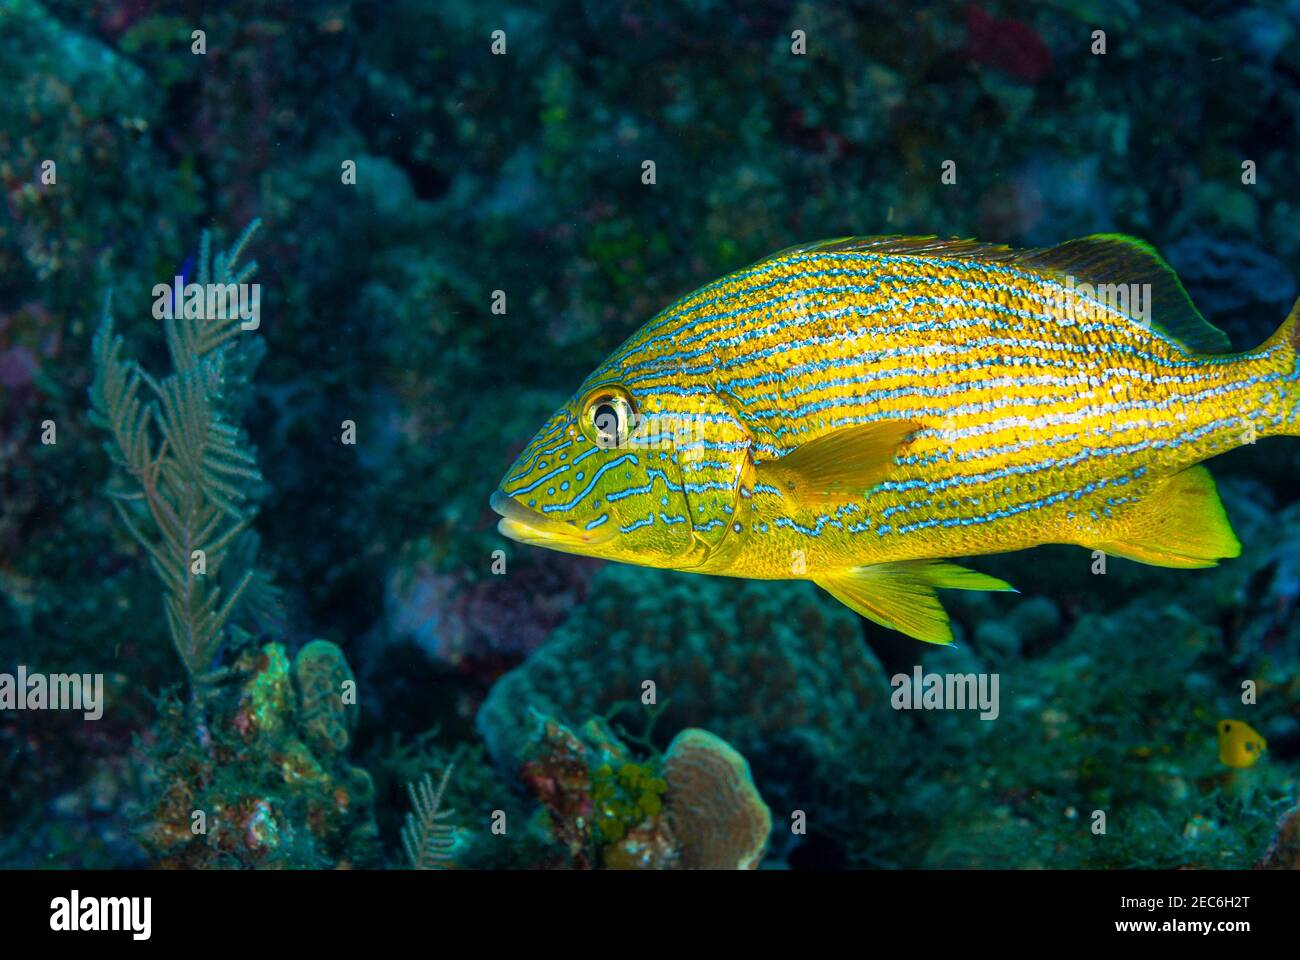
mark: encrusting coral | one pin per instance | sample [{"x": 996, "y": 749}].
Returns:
[{"x": 259, "y": 786}]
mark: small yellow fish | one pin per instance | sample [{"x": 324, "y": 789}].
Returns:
[
  {"x": 856, "y": 412},
  {"x": 1240, "y": 745}
]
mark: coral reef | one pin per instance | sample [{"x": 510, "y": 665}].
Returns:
[{"x": 526, "y": 670}]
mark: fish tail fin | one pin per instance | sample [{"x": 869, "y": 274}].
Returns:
[
  {"x": 1285, "y": 343},
  {"x": 1288, "y": 334}
]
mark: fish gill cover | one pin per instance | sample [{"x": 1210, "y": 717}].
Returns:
[{"x": 569, "y": 272}]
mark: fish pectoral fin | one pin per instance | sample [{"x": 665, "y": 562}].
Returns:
[
  {"x": 902, "y": 596},
  {"x": 842, "y": 465},
  {"x": 1182, "y": 523}
]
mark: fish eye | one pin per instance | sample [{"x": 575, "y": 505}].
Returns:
[{"x": 608, "y": 420}]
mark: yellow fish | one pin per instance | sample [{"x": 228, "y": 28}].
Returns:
[
  {"x": 854, "y": 412},
  {"x": 1239, "y": 744}
]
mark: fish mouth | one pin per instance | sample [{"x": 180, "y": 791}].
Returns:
[{"x": 521, "y": 524}]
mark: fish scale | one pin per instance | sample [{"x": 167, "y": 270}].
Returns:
[{"x": 1036, "y": 411}]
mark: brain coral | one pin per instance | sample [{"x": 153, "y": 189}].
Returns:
[
  {"x": 750, "y": 661},
  {"x": 713, "y": 806},
  {"x": 323, "y": 675}
]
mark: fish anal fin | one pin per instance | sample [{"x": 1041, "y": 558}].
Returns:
[
  {"x": 1181, "y": 523},
  {"x": 840, "y": 465},
  {"x": 902, "y": 596}
]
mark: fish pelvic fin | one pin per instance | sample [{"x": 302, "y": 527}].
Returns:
[
  {"x": 1181, "y": 523},
  {"x": 902, "y": 596}
]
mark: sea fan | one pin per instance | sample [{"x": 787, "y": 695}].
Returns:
[
  {"x": 428, "y": 840},
  {"x": 185, "y": 473}
]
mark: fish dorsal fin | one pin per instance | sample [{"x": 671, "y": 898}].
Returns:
[
  {"x": 1181, "y": 523},
  {"x": 889, "y": 245},
  {"x": 902, "y": 597},
  {"x": 841, "y": 465},
  {"x": 1113, "y": 258},
  {"x": 1097, "y": 260}
]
